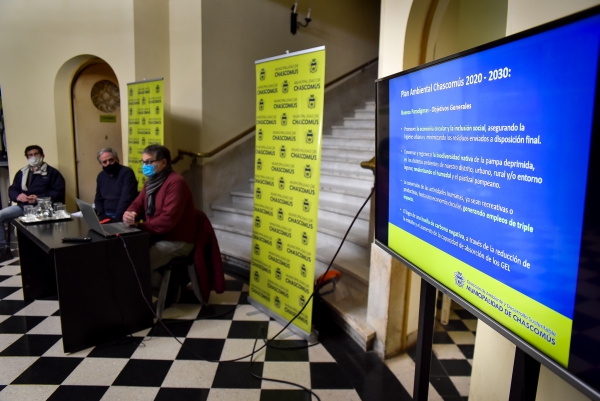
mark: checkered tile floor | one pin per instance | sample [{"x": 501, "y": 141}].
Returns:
[
  {"x": 151, "y": 365},
  {"x": 453, "y": 346}
]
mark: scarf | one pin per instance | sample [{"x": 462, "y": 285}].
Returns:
[
  {"x": 42, "y": 170},
  {"x": 152, "y": 187}
]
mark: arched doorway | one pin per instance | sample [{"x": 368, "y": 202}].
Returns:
[{"x": 96, "y": 122}]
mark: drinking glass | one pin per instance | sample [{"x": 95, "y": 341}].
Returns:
[
  {"x": 60, "y": 210},
  {"x": 29, "y": 211}
]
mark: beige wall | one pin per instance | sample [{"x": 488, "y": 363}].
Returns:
[
  {"x": 185, "y": 30},
  {"x": 38, "y": 38},
  {"x": 491, "y": 378},
  {"x": 237, "y": 33}
]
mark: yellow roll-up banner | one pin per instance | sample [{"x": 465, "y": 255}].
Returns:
[
  {"x": 289, "y": 122},
  {"x": 146, "y": 116}
]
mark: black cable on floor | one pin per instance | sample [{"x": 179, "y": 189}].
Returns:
[
  {"x": 309, "y": 391},
  {"x": 266, "y": 342}
]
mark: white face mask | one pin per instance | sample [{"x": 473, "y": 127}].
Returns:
[{"x": 35, "y": 161}]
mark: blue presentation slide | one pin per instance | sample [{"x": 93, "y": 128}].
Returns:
[{"x": 489, "y": 157}]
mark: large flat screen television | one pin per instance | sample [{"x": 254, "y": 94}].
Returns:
[{"x": 487, "y": 186}]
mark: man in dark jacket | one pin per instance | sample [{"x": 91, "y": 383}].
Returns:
[
  {"x": 116, "y": 186},
  {"x": 36, "y": 180}
]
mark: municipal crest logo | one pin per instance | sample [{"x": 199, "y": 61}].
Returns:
[
  {"x": 312, "y": 102},
  {"x": 143, "y": 120},
  {"x": 313, "y": 65},
  {"x": 307, "y": 171},
  {"x": 303, "y": 270},
  {"x": 278, "y": 273},
  {"x": 157, "y": 110},
  {"x": 257, "y": 221},
  {"x": 143, "y": 101},
  {"x": 277, "y": 302},
  {"x": 259, "y": 164},
  {"x": 258, "y": 193},
  {"x": 280, "y": 214},
  {"x": 459, "y": 279},
  {"x": 257, "y": 251},
  {"x": 281, "y": 183},
  {"x": 284, "y": 119},
  {"x": 310, "y": 137},
  {"x": 304, "y": 238},
  {"x": 301, "y": 300},
  {"x": 285, "y": 86},
  {"x": 282, "y": 151},
  {"x": 262, "y": 74},
  {"x": 306, "y": 205},
  {"x": 261, "y": 105},
  {"x": 157, "y": 131},
  {"x": 260, "y": 135},
  {"x": 130, "y": 92},
  {"x": 256, "y": 276},
  {"x": 143, "y": 141},
  {"x": 157, "y": 88},
  {"x": 279, "y": 244}
]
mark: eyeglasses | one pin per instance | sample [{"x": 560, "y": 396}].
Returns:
[{"x": 150, "y": 161}]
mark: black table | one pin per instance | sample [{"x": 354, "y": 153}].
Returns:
[{"x": 99, "y": 296}]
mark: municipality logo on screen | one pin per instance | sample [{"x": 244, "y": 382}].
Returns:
[{"x": 459, "y": 279}]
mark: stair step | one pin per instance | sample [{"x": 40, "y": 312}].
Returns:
[
  {"x": 343, "y": 157},
  {"x": 242, "y": 196},
  {"x": 352, "y": 132},
  {"x": 343, "y": 209},
  {"x": 234, "y": 207},
  {"x": 360, "y": 122},
  {"x": 338, "y": 230},
  {"x": 363, "y": 151},
  {"x": 359, "y": 178},
  {"x": 349, "y": 310},
  {"x": 370, "y": 106},
  {"x": 365, "y": 114},
  {"x": 355, "y": 264},
  {"x": 340, "y": 141}
]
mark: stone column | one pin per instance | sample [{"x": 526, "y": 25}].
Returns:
[{"x": 389, "y": 290}]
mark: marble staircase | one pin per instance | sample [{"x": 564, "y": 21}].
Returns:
[{"x": 344, "y": 187}]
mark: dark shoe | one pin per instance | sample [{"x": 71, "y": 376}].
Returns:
[{"x": 5, "y": 253}]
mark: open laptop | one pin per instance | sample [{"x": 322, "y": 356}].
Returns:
[{"x": 107, "y": 230}]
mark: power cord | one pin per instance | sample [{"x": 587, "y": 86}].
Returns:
[{"x": 266, "y": 342}]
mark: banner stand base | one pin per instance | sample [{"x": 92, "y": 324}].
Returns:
[{"x": 311, "y": 337}]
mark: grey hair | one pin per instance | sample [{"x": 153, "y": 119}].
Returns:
[{"x": 109, "y": 150}]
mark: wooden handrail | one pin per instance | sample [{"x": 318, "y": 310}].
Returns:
[{"x": 181, "y": 153}]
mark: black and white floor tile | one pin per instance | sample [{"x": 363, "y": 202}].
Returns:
[
  {"x": 453, "y": 347},
  {"x": 152, "y": 365}
]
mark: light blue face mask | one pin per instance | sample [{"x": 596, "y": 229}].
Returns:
[{"x": 148, "y": 170}]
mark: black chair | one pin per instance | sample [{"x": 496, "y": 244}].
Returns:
[{"x": 177, "y": 273}]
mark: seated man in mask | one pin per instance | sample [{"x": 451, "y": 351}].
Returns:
[
  {"x": 116, "y": 186},
  {"x": 36, "y": 180},
  {"x": 167, "y": 209}
]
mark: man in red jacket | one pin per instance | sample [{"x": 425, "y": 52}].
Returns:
[{"x": 167, "y": 209}]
